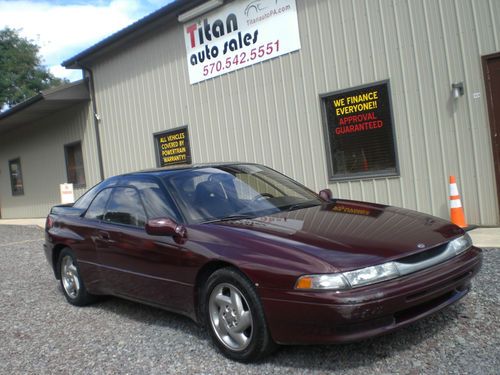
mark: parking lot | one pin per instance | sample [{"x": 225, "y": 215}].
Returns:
[{"x": 41, "y": 333}]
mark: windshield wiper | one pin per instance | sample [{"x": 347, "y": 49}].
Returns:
[
  {"x": 230, "y": 217},
  {"x": 302, "y": 205}
]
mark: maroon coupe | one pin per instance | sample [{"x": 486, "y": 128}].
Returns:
[{"x": 256, "y": 257}]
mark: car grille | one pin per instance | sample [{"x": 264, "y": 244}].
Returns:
[{"x": 425, "y": 259}]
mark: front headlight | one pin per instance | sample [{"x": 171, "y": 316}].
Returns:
[
  {"x": 370, "y": 275},
  {"x": 347, "y": 280},
  {"x": 334, "y": 281},
  {"x": 460, "y": 244}
]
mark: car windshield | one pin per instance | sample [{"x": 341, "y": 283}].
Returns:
[{"x": 236, "y": 192}]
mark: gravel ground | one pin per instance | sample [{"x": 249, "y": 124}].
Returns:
[{"x": 41, "y": 333}]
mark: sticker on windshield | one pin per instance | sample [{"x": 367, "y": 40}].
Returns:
[{"x": 249, "y": 169}]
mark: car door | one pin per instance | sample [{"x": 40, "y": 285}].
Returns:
[
  {"x": 135, "y": 264},
  {"x": 88, "y": 229}
]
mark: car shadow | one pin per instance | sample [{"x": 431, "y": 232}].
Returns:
[
  {"x": 318, "y": 357},
  {"x": 367, "y": 352},
  {"x": 142, "y": 313}
]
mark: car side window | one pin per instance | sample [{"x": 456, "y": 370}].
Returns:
[
  {"x": 125, "y": 207},
  {"x": 84, "y": 201},
  {"x": 98, "y": 205},
  {"x": 87, "y": 198},
  {"x": 154, "y": 200}
]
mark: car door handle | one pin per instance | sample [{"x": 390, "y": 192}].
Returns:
[{"x": 104, "y": 236}]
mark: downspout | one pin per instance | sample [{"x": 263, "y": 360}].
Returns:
[{"x": 96, "y": 118}]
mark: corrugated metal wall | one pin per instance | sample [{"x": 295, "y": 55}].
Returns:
[
  {"x": 41, "y": 149},
  {"x": 270, "y": 113}
]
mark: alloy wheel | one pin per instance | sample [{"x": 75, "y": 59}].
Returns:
[
  {"x": 69, "y": 275},
  {"x": 230, "y": 317}
]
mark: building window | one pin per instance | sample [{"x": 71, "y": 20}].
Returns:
[
  {"x": 359, "y": 133},
  {"x": 16, "y": 177},
  {"x": 74, "y": 164}
]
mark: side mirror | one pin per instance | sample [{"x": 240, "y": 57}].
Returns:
[
  {"x": 165, "y": 227},
  {"x": 326, "y": 194}
]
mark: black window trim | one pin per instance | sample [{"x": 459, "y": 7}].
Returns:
[
  {"x": 66, "y": 147},
  {"x": 328, "y": 148},
  {"x": 14, "y": 161}
]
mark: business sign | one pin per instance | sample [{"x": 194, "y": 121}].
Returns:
[
  {"x": 240, "y": 34},
  {"x": 172, "y": 147},
  {"x": 360, "y": 132},
  {"x": 67, "y": 193},
  {"x": 359, "y": 110}
]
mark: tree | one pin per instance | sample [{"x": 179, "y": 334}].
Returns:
[{"x": 22, "y": 74}]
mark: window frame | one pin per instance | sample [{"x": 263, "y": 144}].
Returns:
[
  {"x": 67, "y": 146},
  {"x": 332, "y": 177},
  {"x": 18, "y": 162}
]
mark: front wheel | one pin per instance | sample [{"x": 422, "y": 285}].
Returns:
[
  {"x": 235, "y": 316},
  {"x": 72, "y": 284}
]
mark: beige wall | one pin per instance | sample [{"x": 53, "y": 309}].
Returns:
[
  {"x": 41, "y": 148},
  {"x": 270, "y": 113}
]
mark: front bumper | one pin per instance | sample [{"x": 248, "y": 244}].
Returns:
[{"x": 297, "y": 317}]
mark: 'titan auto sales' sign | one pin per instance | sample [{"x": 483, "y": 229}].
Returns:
[{"x": 240, "y": 34}]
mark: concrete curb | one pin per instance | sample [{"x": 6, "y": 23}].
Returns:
[
  {"x": 485, "y": 237},
  {"x": 29, "y": 221}
]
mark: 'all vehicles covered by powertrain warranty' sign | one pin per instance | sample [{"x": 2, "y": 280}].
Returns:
[
  {"x": 172, "y": 147},
  {"x": 240, "y": 34}
]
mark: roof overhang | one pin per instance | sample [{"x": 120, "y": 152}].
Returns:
[
  {"x": 162, "y": 16},
  {"x": 45, "y": 103}
]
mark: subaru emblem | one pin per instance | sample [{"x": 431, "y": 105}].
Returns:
[{"x": 421, "y": 245}]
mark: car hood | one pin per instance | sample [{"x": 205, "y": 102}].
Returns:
[{"x": 351, "y": 234}]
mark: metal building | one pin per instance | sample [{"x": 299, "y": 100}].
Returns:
[{"x": 378, "y": 100}]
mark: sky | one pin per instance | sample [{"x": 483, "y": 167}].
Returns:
[{"x": 63, "y": 28}]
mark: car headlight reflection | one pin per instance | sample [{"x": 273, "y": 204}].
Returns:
[{"x": 378, "y": 273}]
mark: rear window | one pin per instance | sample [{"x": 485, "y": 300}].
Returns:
[
  {"x": 84, "y": 201},
  {"x": 98, "y": 205}
]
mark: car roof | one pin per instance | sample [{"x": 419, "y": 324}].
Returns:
[{"x": 162, "y": 170}]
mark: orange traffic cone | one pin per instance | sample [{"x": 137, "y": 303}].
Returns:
[{"x": 456, "y": 210}]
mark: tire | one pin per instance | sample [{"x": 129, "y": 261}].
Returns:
[
  {"x": 71, "y": 282},
  {"x": 234, "y": 316}
]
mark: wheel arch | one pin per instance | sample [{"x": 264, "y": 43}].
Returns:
[
  {"x": 201, "y": 278},
  {"x": 55, "y": 259}
]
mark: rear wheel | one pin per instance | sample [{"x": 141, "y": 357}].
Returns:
[
  {"x": 72, "y": 284},
  {"x": 235, "y": 317}
]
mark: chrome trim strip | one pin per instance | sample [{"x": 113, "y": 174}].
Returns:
[{"x": 407, "y": 268}]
